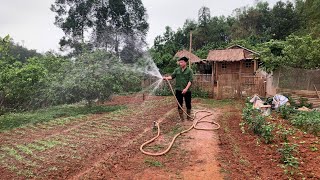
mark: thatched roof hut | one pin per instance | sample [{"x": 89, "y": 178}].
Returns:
[
  {"x": 192, "y": 57},
  {"x": 231, "y": 54}
]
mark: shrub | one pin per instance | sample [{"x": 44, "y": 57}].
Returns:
[
  {"x": 286, "y": 111},
  {"x": 257, "y": 123},
  {"x": 308, "y": 121},
  {"x": 287, "y": 152}
]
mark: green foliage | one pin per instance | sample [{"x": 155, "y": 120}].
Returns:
[
  {"x": 257, "y": 123},
  {"x": 199, "y": 92},
  {"x": 301, "y": 102},
  {"x": 266, "y": 132},
  {"x": 302, "y": 52},
  {"x": 304, "y": 102},
  {"x": 14, "y": 120},
  {"x": 286, "y": 111},
  {"x": 153, "y": 163},
  {"x": 17, "y": 51},
  {"x": 48, "y": 80},
  {"x": 108, "y": 23},
  {"x": 288, "y": 152},
  {"x": 310, "y": 14},
  {"x": 308, "y": 121},
  {"x": 163, "y": 91},
  {"x": 285, "y": 20},
  {"x": 296, "y": 51},
  {"x": 272, "y": 54},
  {"x": 19, "y": 83},
  {"x": 89, "y": 78},
  {"x": 164, "y": 49},
  {"x": 283, "y": 35},
  {"x": 284, "y": 133}
]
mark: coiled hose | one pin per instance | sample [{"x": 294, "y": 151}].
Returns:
[{"x": 196, "y": 121}]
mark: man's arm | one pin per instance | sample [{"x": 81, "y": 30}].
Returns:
[{"x": 187, "y": 87}]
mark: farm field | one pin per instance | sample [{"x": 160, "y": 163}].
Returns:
[{"x": 105, "y": 145}]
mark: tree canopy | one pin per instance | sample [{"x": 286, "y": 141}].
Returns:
[
  {"x": 118, "y": 26},
  {"x": 286, "y": 34}
]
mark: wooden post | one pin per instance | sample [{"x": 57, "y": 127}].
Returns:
[
  {"x": 240, "y": 70},
  {"x": 316, "y": 91},
  {"x": 218, "y": 93},
  {"x": 190, "y": 47},
  {"x": 212, "y": 71},
  {"x": 217, "y": 72},
  {"x": 254, "y": 65}
]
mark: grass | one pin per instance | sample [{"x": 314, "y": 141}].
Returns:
[
  {"x": 49, "y": 143},
  {"x": 153, "y": 163},
  {"x": 24, "y": 149},
  {"x": 156, "y": 147},
  {"x": 12, "y": 152},
  {"x": 175, "y": 130},
  {"x": 62, "y": 113}
]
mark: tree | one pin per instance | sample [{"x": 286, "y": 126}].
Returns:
[
  {"x": 252, "y": 23},
  {"x": 108, "y": 24},
  {"x": 75, "y": 18},
  {"x": 20, "y": 82},
  {"x": 164, "y": 49},
  {"x": 285, "y": 20},
  {"x": 298, "y": 52},
  {"x": 204, "y": 16},
  {"x": 312, "y": 13}
]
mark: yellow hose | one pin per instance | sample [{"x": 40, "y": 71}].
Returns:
[{"x": 174, "y": 138}]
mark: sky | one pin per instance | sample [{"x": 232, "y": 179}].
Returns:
[{"x": 31, "y": 23}]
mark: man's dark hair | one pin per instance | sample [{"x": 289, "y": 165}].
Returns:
[{"x": 184, "y": 59}]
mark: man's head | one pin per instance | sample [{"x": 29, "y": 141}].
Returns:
[{"x": 183, "y": 62}]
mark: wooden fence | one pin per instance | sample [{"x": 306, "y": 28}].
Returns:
[
  {"x": 227, "y": 85},
  {"x": 235, "y": 86}
]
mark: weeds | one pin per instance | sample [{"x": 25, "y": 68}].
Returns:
[
  {"x": 308, "y": 121},
  {"x": 256, "y": 123},
  {"x": 286, "y": 111},
  {"x": 287, "y": 152},
  {"x": 24, "y": 149},
  {"x": 153, "y": 163},
  {"x": 12, "y": 152},
  {"x": 313, "y": 148},
  {"x": 283, "y": 133}
]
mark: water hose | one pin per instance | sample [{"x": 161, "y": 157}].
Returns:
[{"x": 196, "y": 121}]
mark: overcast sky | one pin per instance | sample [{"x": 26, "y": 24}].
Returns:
[{"x": 30, "y": 22}]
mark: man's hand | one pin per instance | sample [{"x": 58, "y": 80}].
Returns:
[{"x": 184, "y": 91}]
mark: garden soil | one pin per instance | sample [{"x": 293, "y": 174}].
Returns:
[{"x": 106, "y": 146}]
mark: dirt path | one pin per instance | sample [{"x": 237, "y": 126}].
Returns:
[{"x": 204, "y": 149}]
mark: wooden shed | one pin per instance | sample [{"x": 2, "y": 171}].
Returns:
[{"x": 233, "y": 60}]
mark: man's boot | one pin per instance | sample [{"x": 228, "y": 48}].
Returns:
[
  {"x": 189, "y": 118},
  {"x": 181, "y": 114}
]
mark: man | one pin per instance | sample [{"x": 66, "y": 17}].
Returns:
[{"x": 183, "y": 76}]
